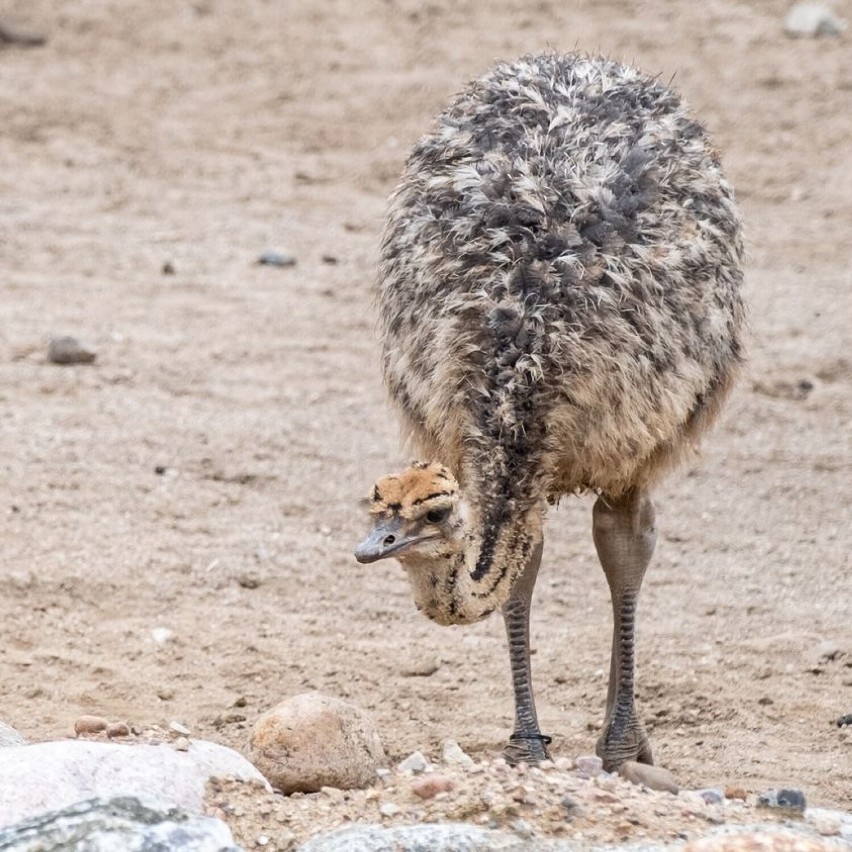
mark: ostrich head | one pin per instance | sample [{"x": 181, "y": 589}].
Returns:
[{"x": 420, "y": 518}]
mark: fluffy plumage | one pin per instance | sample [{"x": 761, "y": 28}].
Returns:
[{"x": 559, "y": 295}]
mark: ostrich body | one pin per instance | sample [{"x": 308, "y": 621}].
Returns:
[{"x": 560, "y": 311}]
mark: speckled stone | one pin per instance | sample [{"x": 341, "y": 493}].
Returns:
[{"x": 313, "y": 741}]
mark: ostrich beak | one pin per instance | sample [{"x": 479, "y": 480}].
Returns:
[{"x": 386, "y": 539}]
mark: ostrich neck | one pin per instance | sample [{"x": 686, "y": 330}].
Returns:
[{"x": 470, "y": 578}]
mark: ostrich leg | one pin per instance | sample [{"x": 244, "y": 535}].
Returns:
[
  {"x": 527, "y": 744},
  {"x": 624, "y": 535}
]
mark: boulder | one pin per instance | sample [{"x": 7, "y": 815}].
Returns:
[
  {"x": 120, "y": 823},
  {"x": 46, "y": 776},
  {"x": 313, "y": 741}
]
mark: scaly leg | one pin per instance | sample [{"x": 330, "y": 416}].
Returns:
[
  {"x": 527, "y": 744},
  {"x": 624, "y": 535}
]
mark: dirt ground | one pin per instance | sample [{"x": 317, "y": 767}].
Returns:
[{"x": 203, "y": 475}]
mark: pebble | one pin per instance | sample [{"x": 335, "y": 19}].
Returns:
[
  {"x": 786, "y": 799},
  {"x": 118, "y": 729},
  {"x": 90, "y": 725},
  {"x": 161, "y": 635},
  {"x": 812, "y": 20},
  {"x": 824, "y": 822},
  {"x": 69, "y": 350},
  {"x": 12, "y": 34},
  {"x": 844, "y": 720},
  {"x": 414, "y": 764},
  {"x": 168, "y": 268},
  {"x": 178, "y": 728},
  {"x": 423, "y": 668},
  {"x": 734, "y": 792},
  {"x": 712, "y": 795},
  {"x": 276, "y": 258},
  {"x": 654, "y": 777},
  {"x": 389, "y": 809},
  {"x": 428, "y": 786},
  {"x": 587, "y": 765},
  {"x": 312, "y": 741},
  {"x": 453, "y": 755}
]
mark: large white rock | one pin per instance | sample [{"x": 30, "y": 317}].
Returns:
[
  {"x": 48, "y": 776},
  {"x": 9, "y": 736},
  {"x": 313, "y": 741}
]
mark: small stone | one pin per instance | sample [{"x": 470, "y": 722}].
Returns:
[
  {"x": 844, "y": 720},
  {"x": 588, "y": 766},
  {"x": 12, "y": 34},
  {"x": 422, "y": 668},
  {"x": 85, "y": 725},
  {"x": 249, "y": 580},
  {"x": 452, "y": 754},
  {"x": 181, "y": 744},
  {"x": 812, "y": 20},
  {"x": 428, "y": 786},
  {"x": 733, "y": 792},
  {"x": 389, "y": 809},
  {"x": 785, "y": 799},
  {"x": 240, "y": 702},
  {"x": 414, "y": 764},
  {"x": 276, "y": 258},
  {"x": 712, "y": 796},
  {"x": 312, "y": 741},
  {"x": 262, "y": 840},
  {"x": 69, "y": 350},
  {"x": 168, "y": 268},
  {"x": 161, "y": 635},
  {"x": 118, "y": 729},
  {"x": 653, "y": 777},
  {"x": 824, "y": 822},
  {"x": 166, "y": 694},
  {"x": 178, "y": 728},
  {"x": 329, "y": 259},
  {"x": 825, "y": 652}
]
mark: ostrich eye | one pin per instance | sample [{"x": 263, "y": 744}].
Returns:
[{"x": 436, "y": 516}]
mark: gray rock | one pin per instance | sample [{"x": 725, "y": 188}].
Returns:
[
  {"x": 415, "y": 763},
  {"x": 446, "y": 837},
  {"x": 119, "y": 824},
  {"x": 786, "y": 799},
  {"x": 453, "y": 755},
  {"x": 276, "y": 258},
  {"x": 69, "y": 350},
  {"x": 712, "y": 795},
  {"x": 12, "y": 34},
  {"x": 9, "y": 736},
  {"x": 812, "y": 20},
  {"x": 313, "y": 741},
  {"x": 43, "y": 776}
]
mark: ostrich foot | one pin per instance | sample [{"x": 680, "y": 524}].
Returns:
[
  {"x": 622, "y": 742},
  {"x": 526, "y": 748}
]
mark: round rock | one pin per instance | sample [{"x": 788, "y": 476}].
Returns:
[{"x": 313, "y": 741}]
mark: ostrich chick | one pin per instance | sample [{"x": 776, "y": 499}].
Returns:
[{"x": 560, "y": 311}]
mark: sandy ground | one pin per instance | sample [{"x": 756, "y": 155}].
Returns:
[{"x": 203, "y": 474}]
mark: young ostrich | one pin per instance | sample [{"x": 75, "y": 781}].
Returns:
[{"x": 560, "y": 311}]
